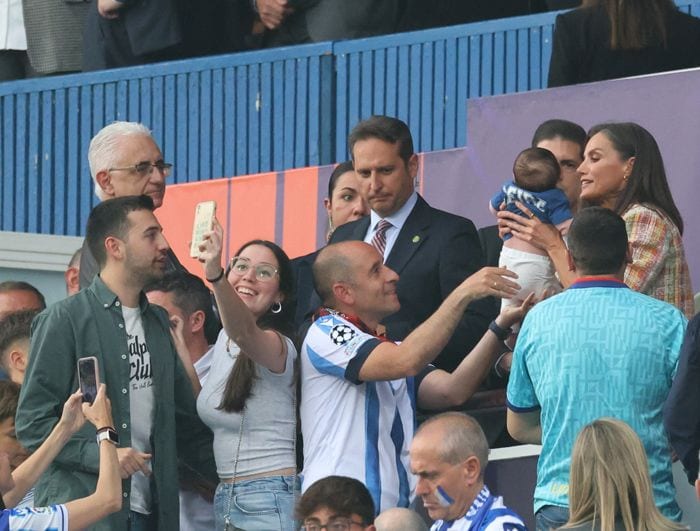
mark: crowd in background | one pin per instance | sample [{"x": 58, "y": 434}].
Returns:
[
  {"x": 287, "y": 392},
  {"x": 41, "y": 37},
  {"x": 295, "y": 373},
  {"x": 602, "y": 39}
]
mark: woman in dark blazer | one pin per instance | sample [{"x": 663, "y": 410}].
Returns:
[{"x": 607, "y": 39}]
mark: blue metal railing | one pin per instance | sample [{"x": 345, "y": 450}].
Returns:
[
  {"x": 426, "y": 77},
  {"x": 257, "y": 111},
  {"x": 215, "y": 116}
]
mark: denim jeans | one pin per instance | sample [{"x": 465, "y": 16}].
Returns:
[
  {"x": 142, "y": 522},
  {"x": 264, "y": 503},
  {"x": 551, "y": 517}
]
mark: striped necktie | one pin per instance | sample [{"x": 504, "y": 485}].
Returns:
[{"x": 379, "y": 238}]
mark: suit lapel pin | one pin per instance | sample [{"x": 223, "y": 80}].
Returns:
[{"x": 416, "y": 239}]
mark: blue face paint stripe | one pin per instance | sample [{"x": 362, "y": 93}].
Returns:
[
  {"x": 443, "y": 498},
  {"x": 372, "y": 473}
]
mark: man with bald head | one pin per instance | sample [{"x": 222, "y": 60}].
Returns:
[
  {"x": 125, "y": 160},
  {"x": 449, "y": 455},
  {"x": 359, "y": 390},
  {"x": 400, "y": 519}
]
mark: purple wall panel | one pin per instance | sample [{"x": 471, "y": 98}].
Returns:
[{"x": 462, "y": 181}]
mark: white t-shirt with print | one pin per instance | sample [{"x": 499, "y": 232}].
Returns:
[{"x": 140, "y": 403}]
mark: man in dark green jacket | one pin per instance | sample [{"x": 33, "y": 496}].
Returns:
[{"x": 152, "y": 400}]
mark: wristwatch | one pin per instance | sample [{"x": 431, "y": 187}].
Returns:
[
  {"x": 501, "y": 333},
  {"x": 108, "y": 434}
]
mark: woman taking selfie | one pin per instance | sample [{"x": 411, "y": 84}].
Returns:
[{"x": 248, "y": 399}]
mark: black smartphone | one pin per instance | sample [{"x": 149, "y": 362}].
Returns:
[{"x": 88, "y": 378}]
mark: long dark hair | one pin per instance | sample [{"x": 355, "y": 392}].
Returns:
[
  {"x": 340, "y": 169},
  {"x": 647, "y": 183},
  {"x": 636, "y": 24},
  {"x": 239, "y": 385}
]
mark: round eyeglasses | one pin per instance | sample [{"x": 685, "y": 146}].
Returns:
[
  {"x": 263, "y": 271},
  {"x": 146, "y": 168}
]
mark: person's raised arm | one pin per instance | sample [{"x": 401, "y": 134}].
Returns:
[
  {"x": 262, "y": 346},
  {"x": 107, "y": 497},
  {"x": 48, "y": 384},
  {"x": 26, "y": 474},
  {"x": 543, "y": 235},
  {"x": 441, "y": 389},
  {"x": 389, "y": 361}
]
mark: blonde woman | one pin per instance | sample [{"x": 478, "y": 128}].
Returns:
[{"x": 609, "y": 485}]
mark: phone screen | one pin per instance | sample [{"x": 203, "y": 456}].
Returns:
[{"x": 87, "y": 377}]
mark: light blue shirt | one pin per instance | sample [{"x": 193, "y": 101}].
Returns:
[
  {"x": 397, "y": 219},
  {"x": 596, "y": 350}
]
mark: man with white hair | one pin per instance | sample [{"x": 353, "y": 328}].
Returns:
[{"x": 125, "y": 160}]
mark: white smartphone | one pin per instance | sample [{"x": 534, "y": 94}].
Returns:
[
  {"x": 203, "y": 222},
  {"x": 88, "y": 378}
]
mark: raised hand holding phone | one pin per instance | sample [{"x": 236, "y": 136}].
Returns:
[
  {"x": 88, "y": 378},
  {"x": 203, "y": 223},
  {"x": 210, "y": 252}
]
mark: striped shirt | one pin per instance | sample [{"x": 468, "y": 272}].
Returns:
[
  {"x": 486, "y": 513},
  {"x": 350, "y": 427},
  {"x": 53, "y": 518}
]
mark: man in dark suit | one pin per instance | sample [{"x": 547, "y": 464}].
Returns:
[{"x": 432, "y": 251}]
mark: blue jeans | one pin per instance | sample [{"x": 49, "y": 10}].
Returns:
[
  {"x": 142, "y": 522},
  {"x": 264, "y": 503},
  {"x": 551, "y": 517}
]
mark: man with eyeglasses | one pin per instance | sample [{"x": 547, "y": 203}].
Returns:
[
  {"x": 336, "y": 503},
  {"x": 125, "y": 160},
  {"x": 449, "y": 455}
]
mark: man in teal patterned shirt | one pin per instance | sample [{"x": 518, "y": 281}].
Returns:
[{"x": 596, "y": 350}]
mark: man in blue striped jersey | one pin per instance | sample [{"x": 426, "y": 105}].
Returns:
[{"x": 359, "y": 391}]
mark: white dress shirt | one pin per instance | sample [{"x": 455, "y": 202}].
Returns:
[{"x": 397, "y": 220}]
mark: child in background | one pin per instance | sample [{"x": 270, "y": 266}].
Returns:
[{"x": 536, "y": 174}]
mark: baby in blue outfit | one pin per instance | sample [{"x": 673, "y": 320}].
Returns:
[{"x": 536, "y": 174}]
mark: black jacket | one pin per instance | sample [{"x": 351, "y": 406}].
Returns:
[
  {"x": 434, "y": 252},
  {"x": 581, "y": 49}
]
